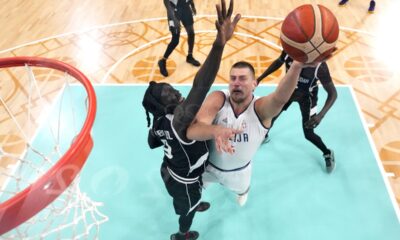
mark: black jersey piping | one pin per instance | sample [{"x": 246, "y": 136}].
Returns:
[{"x": 258, "y": 117}]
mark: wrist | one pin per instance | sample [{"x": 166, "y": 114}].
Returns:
[
  {"x": 296, "y": 64},
  {"x": 215, "y": 129}
]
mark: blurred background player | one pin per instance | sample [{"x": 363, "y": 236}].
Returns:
[
  {"x": 185, "y": 158},
  {"x": 371, "y": 7},
  {"x": 306, "y": 94},
  {"x": 179, "y": 11}
]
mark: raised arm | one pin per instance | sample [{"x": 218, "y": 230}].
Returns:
[
  {"x": 275, "y": 65},
  {"x": 326, "y": 81},
  {"x": 269, "y": 106},
  {"x": 186, "y": 112}
]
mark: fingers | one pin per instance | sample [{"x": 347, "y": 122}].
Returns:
[
  {"x": 311, "y": 124},
  {"x": 219, "y": 14},
  {"x": 236, "y": 20},
  {"x": 236, "y": 131},
  {"x": 223, "y": 145},
  {"x": 330, "y": 55},
  {"x": 218, "y": 144},
  {"x": 230, "y": 10},
  {"x": 223, "y": 4}
]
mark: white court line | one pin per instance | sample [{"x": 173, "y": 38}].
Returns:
[
  {"x": 377, "y": 158},
  {"x": 157, "y": 19}
]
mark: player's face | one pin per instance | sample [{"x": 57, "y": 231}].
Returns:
[
  {"x": 170, "y": 96},
  {"x": 242, "y": 84}
]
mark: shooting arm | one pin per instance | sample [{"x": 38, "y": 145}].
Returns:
[{"x": 269, "y": 106}]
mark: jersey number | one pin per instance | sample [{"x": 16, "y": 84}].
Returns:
[{"x": 167, "y": 149}]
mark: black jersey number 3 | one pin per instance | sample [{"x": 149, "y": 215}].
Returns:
[{"x": 167, "y": 149}]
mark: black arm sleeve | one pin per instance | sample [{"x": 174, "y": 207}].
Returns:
[
  {"x": 186, "y": 112},
  {"x": 153, "y": 140},
  {"x": 275, "y": 65}
]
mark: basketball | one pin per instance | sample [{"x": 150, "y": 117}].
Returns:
[{"x": 309, "y": 33}]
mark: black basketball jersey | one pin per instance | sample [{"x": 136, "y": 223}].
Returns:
[
  {"x": 309, "y": 77},
  {"x": 185, "y": 159}
]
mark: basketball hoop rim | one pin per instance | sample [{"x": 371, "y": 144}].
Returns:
[{"x": 32, "y": 199}]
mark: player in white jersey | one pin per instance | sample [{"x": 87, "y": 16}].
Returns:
[{"x": 239, "y": 108}]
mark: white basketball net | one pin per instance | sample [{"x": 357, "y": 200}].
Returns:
[{"x": 38, "y": 124}]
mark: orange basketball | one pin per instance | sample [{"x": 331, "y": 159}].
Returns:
[{"x": 309, "y": 33}]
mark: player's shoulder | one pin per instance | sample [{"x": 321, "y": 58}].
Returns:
[
  {"x": 323, "y": 71},
  {"x": 218, "y": 95},
  {"x": 217, "y": 98}
]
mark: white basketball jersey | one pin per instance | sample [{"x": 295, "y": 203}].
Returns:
[{"x": 245, "y": 143}]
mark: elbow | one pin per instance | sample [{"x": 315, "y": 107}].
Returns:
[
  {"x": 153, "y": 145},
  {"x": 190, "y": 133},
  {"x": 333, "y": 96}
]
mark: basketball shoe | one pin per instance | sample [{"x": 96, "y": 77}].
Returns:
[
  {"x": 190, "y": 59},
  {"x": 371, "y": 8},
  {"x": 202, "y": 207},
  {"x": 330, "y": 161},
  {"x": 190, "y": 235},
  {"x": 162, "y": 64}
]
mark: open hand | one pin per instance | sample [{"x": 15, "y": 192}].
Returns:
[
  {"x": 222, "y": 136},
  {"x": 224, "y": 25}
]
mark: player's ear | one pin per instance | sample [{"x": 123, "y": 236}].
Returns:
[{"x": 254, "y": 82}]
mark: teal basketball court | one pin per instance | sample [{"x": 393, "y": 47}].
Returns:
[{"x": 291, "y": 196}]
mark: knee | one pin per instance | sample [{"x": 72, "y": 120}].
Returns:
[
  {"x": 190, "y": 34},
  {"x": 309, "y": 133},
  {"x": 190, "y": 31},
  {"x": 175, "y": 39}
]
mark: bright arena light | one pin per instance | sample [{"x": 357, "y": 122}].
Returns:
[
  {"x": 89, "y": 54},
  {"x": 388, "y": 37}
]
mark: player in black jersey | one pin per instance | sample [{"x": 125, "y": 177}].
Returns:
[
  {"x": 184, "y": 159},
  {"x": 179, "y": 11},
  {"x": 306, "y": 94}
]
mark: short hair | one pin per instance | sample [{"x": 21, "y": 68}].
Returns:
[{"x": 244, "y": 64}]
